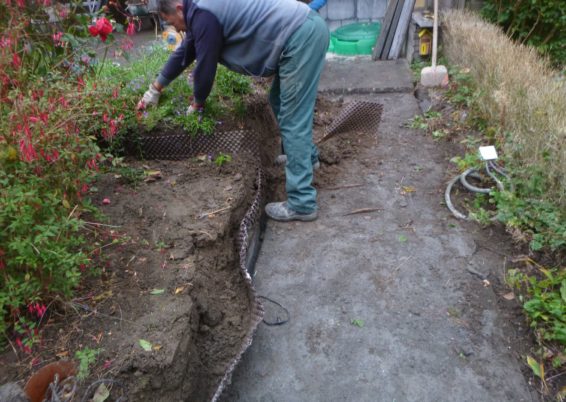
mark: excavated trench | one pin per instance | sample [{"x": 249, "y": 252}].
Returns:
[
  {"x": 208, "y": 331},
  {"x": 200, "y": 336}
]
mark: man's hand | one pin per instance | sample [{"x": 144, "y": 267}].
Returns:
[
  {"x": 150, "y": 97},
  {"x": 195, "y": 108}
]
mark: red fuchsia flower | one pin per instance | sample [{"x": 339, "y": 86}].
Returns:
[
  {"x": 57, "y": 39},
  {"x": 102, "y": 28},
  {"x": 64, "y": 12},
  {"x": 40, "y": 310},
  {"x": 131, "y": 28},
  {"x": 16, "y": 60},
  {"x": 91, "y": 164},
  {"x": 52, "y": 157},
  {"x": 27, "y": 151},
  {"x": 113, "y": 127},
  {"x": 5, "y": 41}
]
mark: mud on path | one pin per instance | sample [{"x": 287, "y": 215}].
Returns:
[{"x": 167, "y": 270}]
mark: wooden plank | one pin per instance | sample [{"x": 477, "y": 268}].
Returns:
[
  {"x": 385, "y": 26},
  {"x": 401, "y": 31},
  {"x": 392, "y": 30}
]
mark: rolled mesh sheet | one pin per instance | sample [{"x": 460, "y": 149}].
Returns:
[{"x": 355, "y": 116}]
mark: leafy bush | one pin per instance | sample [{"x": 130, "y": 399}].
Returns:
[
  {"x": 539, "y": 23},
  {"x": 545, "y": 303},
  {"x": 48, "y": 119}
]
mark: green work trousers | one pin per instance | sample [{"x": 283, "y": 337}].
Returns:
[{"x": 292, "y": 98}]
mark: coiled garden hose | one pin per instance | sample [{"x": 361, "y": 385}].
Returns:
[{"x": 491, "y": 168}]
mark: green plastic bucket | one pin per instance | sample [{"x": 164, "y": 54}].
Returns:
[{"x": 354, "y": 39}]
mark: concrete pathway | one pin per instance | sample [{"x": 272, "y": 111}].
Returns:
[{"x": 382, "y": 305}]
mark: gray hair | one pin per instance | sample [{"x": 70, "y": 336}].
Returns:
[{"x": 167, "y": 7}]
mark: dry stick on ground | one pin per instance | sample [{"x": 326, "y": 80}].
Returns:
[
  {"x": 342, "y": 187},
  {"x": 101, "y": 224},
  {"x": 205, "y": 214},
  {"x": 363, "y": 211}
]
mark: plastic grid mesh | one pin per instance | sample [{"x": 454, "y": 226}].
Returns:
[{"x": 355, "y": 116}]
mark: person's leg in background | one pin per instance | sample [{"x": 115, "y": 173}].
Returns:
[{"x": 301, "y": 64}]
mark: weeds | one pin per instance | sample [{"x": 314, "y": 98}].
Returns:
[
  {"x": 86, "y": 357},
  {"x": 542, "y": 292},
  {"x": 222, "y": 159}
]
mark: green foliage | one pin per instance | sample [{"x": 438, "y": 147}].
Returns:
[
  {"x": 540, "y": 23},
  {"x": 43, "y": 47},
  {"x": 40, "y": 244},
  {"x": 545, "y": 301},
  {"x": 47, "y": 159},
  {"x": 226, "y": 97},
  {"x": 462, "y": 90},
  {"x": 222, "y": 159},
  {"x": 539, "y": 221},
  {"x": 421, "y": 121},
  {"x": 471, "y": 159},
  {"x": 86, "y": 357}
]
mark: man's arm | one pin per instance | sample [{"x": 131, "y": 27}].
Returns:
[
  {"x": 180, "y": 59},
  {"x": 208, "y": 39}
]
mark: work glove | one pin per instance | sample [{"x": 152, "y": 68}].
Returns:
[
  {"x": 196, "y": 108},
  {"x": 150, "y": 97}
]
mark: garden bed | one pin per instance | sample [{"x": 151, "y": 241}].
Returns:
[{"x": 169, "y": 310}]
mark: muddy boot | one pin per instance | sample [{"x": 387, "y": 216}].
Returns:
[{"x": 280, "y": 211}]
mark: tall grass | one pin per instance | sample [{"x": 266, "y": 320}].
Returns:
[{"x": 519, "y": 93}]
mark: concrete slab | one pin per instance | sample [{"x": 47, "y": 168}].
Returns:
[
  {"x": 369, "y": 77},
  {"x": 382, "y": 305}
]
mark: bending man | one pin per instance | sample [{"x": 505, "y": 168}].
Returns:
[{"x": 284, "y": 38}]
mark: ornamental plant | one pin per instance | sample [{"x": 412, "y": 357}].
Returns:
[{"x": 51, "y": 122}]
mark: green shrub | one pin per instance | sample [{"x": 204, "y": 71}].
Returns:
[
  {"x": 545, "y": 302},
  {"x": 48, "y": 156},
  {"x": 539, "y": 23}
]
